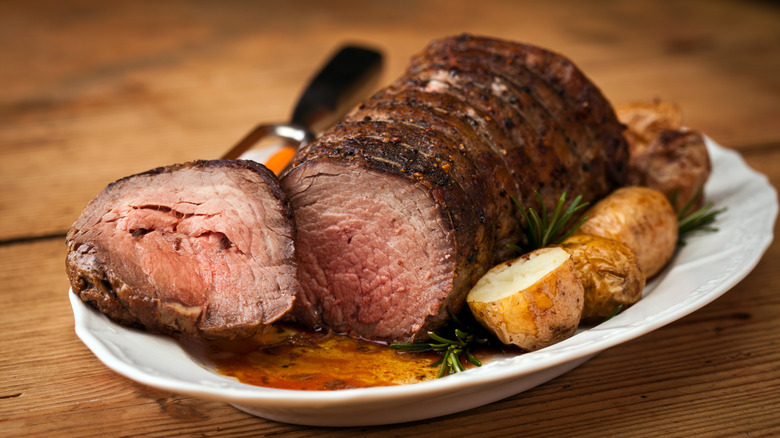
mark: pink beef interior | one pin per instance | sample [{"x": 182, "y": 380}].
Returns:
[
  {"x": 212, "y": 248},
  {"x": 375, "y": 256}
]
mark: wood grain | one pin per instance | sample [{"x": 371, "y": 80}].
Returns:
[
  {"x": 164, "y": 84},
  {"x": 93, "y": 92}
]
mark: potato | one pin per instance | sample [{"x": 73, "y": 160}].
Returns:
[
  {"x": 662, "y": 154},
  {"x": 676, "y": 162},
  {"x": 609, "y": 272},
  {"x": 645, "y": 120},
  {"x": 532, "y": 301},
  {"x": 640, "y": 218}
]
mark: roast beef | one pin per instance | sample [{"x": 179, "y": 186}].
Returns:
[
  {"x": 204, "y": 248},
  {"x": 403, "y": 205}
]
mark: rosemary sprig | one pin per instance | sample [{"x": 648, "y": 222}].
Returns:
[
  {"x": 699, "y": 220},
  {"x": 462, "y": 341},
  {"x": 544, "y": 230},
  {"x": 614, "y": 312}
]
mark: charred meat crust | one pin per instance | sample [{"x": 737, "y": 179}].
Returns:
[
  {"x": 545, "y": 108},
  {"x": 591, "y": 108},
  {"x": 531, "y": 98},
  {"x": 517, "y": 90}
]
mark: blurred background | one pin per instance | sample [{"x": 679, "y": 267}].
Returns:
[{"x": 134, "y": 85}]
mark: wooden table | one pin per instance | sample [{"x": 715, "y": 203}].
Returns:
[{"x": 92, "y": 92}]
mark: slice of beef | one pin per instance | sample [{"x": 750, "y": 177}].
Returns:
[
  {"x": 445, "y": 121},
  {"x": 386, "y": 238},
  {"x": 203, "y": 248},
  {"x": 390, "y": 204}
]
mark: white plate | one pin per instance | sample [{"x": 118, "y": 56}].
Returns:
[{"x": 709, "y": 265}]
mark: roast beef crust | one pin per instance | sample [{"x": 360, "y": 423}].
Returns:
[{"x": 590, "y": 106}]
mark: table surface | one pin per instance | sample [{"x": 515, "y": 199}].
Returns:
[{"x": 93, "y": 92}]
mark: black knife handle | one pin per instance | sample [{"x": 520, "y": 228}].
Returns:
[{"x": 347, "y": 72}]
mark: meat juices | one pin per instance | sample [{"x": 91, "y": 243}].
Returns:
[
  {"x": 205, "y": 248},
  {"x": 403, "y": 205}
]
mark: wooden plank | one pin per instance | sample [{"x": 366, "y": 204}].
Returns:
[{"x": 103, "y": 108}]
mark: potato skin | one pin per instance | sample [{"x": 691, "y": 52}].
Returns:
[
  {"x": 645, "y": 120},
  {"x": 640, "y": 218},
  {"x": 547, "y": 312},
  {"x": 609, "y": 272},
  {"x": 662, "y": 154},
  {"x": 674, "y": 162}
]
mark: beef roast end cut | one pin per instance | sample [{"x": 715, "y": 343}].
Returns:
[{"x": 204, "y": 248}]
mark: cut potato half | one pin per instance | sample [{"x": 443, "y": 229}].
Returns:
[{"x": 532, "y": 301}]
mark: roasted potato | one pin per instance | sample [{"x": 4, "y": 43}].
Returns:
[
  {"x": 645, "y": 120},
  {"x": 676, "y": 163},
  {"x": 609, "y": 272},
  {"x": 662, "y": 154},
  {"x": 640, "y": 218},
  {"x": 532, "y": 301}
]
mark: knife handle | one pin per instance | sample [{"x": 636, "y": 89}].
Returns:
[
  {"x": 343, "y": 80},
  {"x": 338, "y": 85}
]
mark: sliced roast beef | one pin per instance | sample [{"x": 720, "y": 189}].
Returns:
[
  {"x": 204, "y": 248},
  {"x": 402, "y": 206},
  {"x": 377, "y": 239}
]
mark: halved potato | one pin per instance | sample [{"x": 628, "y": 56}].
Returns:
[
  {"x": 609, "y": 272},
  {"x": 532, "y": 301},
  {"x": 640, "y": 218}
]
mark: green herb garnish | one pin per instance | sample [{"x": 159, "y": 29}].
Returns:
[
  {"x": 459, "y": 344},
  {"x": 544, "y": 230},
  {"x": 699, "y": 220},
  {"x": 614, "y": 312}
]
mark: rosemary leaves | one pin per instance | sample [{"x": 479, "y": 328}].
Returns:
[
  {"x": 696, "y": 221},
  {"x": 454, "y": 348},
  {"x": 544, "y": 229}
]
